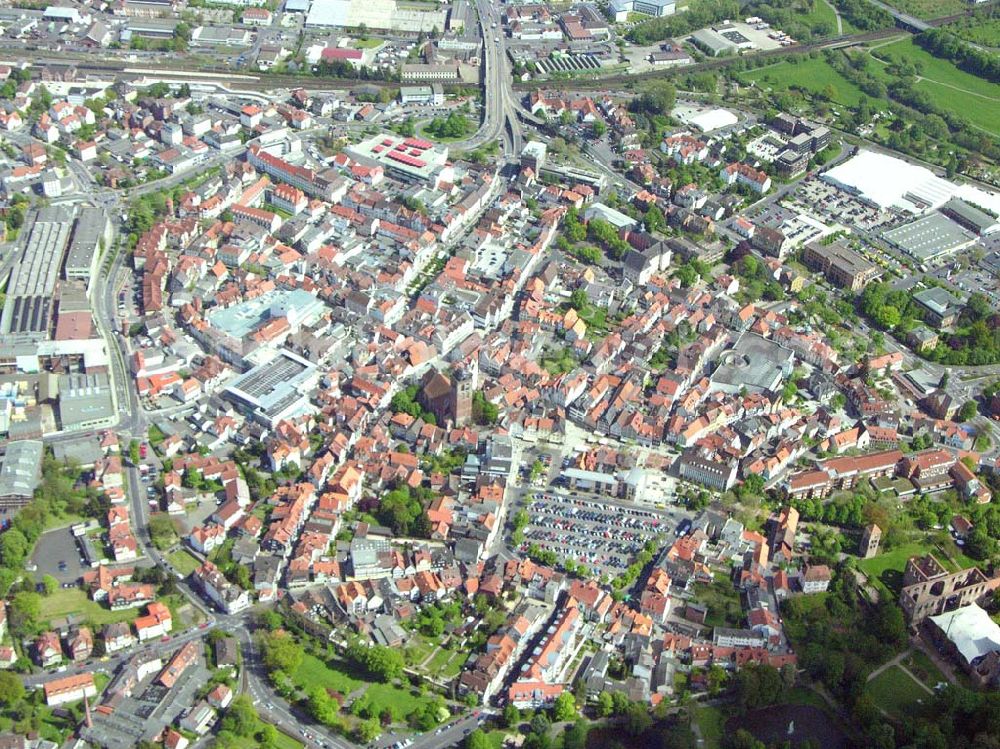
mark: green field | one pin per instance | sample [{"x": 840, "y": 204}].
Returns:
[
  {"x": 811, "y": 76},
  {"x": 895, "y": 692},
  {"x": 367, "y": 43},
  {"x": 313, "y": 672},
  {"x": 66, "y": 601},
  {"x": 949, "y": 87},
  {"x": 184, "y": 561}
]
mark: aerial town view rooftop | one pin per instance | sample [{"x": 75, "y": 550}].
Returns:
[{"x": 441, "y": 373}]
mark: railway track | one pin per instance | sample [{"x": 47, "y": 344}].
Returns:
[{"x": 581, "y": 84}]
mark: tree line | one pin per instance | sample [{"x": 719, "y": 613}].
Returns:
[{"x": 978, "y": 62}]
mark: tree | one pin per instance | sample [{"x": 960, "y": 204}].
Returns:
[
  {"x": 14, "y": 547},
  {"x": 11, "y": 689},
  {"x": 477, "y": 740},
  {"x": 25, "y": 611},
  {"x": 968, "y": 411},
  {"x": 758, "y": 686},
  {"x": 281, "y": 652},
  {"x": 541, "y": 724},
  {"x": 162, "y": 531},
  {"x": 637, "y": 719},
  {"x": 564, "y": 707},
  {"x": 657, "y": 100},
  {"x": 605, "y": 705},
  {"x": 578, "y": 300},
  {"x": 512, "y": 716},
  {"x": 575, "y": 736},
  {"x": 241, "y": 718},
  {"x": 50, "y": 584},
  {"x": 368, "y": 730},
  {"x": 384, "y": 664}
]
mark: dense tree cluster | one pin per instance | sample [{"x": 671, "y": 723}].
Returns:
[
  {"x": 604, "y": 234},
  {"x": 756, "y": 282},
  {"x": 840, "y": 642},
  {"x": 403, "y": 510},
  {"x": 657, "y": 99},
  {"x": 381, "y": 663},
  {"x": 455, "y": 125}
]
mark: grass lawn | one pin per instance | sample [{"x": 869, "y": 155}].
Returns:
[
  {"x": 74, "y": 601},
  {"x": 711, "y": 723},
  {"x": 367, "y": 43},
  {"x": 335, "y": 675},
  {"x": 801, "y": 695},
  {"x": 895, "y": 692},
  {"x": 885, "y": 571},
  {"x": 454, "y": 666},
  {"x": 953, "y": 89},
  {"x": 436, "y": 664},
  {"x": 924, "y": 669},
  {"x": 314, "y": 672},
  {"x": 61, "y": 521},
  {"x": 723, "y": 603},
  {"x": 184, "y": 561},
  {"x": 282, "y": 741},
  {"x": 401, "y": 702},
  {"x": 808, "y": 75},
  {"x": 416, "y": 650}
]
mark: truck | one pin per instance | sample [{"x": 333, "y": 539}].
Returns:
[{"x": 143, "y": 450}]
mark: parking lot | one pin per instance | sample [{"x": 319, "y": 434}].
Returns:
[
  {"x": 605, "y": 537},
  {"x": 55, "y": 548}
]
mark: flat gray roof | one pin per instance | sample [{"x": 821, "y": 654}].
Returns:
[
  {"x": 33, "y": 279},
  {"x": 83, "y": 399},
  {"x": 21, "y": 469},
  {"x": 929, "y": 237},
  {"x": 91, "y": 225}
]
